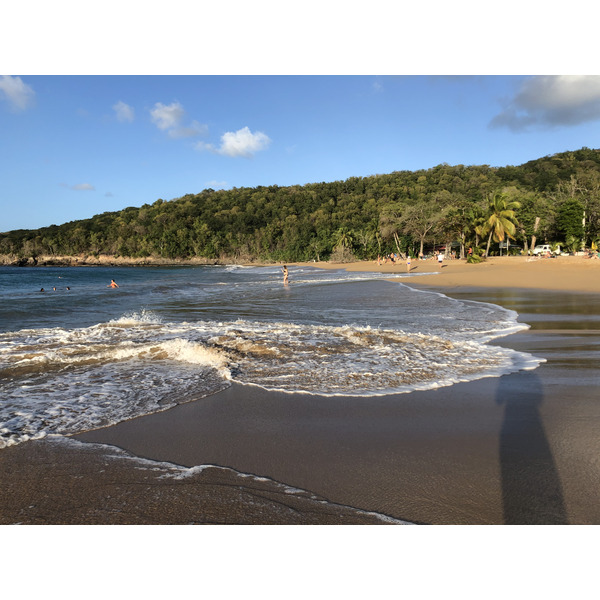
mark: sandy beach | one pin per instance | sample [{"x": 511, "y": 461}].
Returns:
[
  {"x": 566, "y": 273},
  {"x": 519, "y": 449}
]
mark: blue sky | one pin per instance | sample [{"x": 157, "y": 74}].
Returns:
[{"x": 75, "y": 146}]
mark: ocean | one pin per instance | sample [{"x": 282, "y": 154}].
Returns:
[{"x": 81, "y": 355}]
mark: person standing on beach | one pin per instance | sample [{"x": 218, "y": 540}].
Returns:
[
  {"x": 440, "y": 259},
  {"x": 408, "y": 263},
  {"x": 112, "y": 284}
]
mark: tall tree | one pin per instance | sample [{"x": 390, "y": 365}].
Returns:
[
  {"x": 501, "y": 222},
  {"x": 421, "y": 220}
]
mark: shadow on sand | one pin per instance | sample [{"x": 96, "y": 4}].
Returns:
[{"x": 531, "y": 489}]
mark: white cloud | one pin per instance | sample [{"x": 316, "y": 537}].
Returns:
[
  {"x": 169, "y": 118},
  {"x": 124, "y": 111},
  {"x": 552, "y": 101},
  {"x": 19, "y": 95},
  {"x": 243, "y": 142}
]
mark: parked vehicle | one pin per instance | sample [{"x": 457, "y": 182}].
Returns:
[{"x": 546, "y": 249}]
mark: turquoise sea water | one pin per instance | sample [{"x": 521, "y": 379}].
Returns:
[{"x": 85, "y": 357}]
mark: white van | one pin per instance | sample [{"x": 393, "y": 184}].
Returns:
[{"x": 546, "y": 249}]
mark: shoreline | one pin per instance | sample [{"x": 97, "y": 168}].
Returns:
[
  {"x": 521, "y": 448},
  {"x": 565, "y": 273},
  {"x": 107, "y": 260}
]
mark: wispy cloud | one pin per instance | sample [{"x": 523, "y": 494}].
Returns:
[
  {"x": 217, "y": 185},
  {"x": 80, "y": 187},
  {"x": 124, "y": 112},
  {"x": 552, "y": 101},
  {"x": 170, "y": 118},
  {"x": 19, "y": 95},
  {"x": 193, "y": 130},
  {"x": 239, "y": 143}
]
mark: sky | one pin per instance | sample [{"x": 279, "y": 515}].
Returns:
[{"x": 97, "y": 117}]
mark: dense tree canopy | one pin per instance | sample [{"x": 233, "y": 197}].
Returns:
[{"x": 407, "y": 212}]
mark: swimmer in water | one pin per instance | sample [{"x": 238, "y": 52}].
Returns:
[
  {"x": 112, "y": 284},
  {"x": 285, "y": 275}
]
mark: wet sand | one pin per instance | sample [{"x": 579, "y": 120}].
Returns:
[
  {"x": 57, "y": 481},
  {"x": 522, "y": 448}
]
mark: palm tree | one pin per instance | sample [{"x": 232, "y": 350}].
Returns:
[
  {"x": 501, "y": 222},
  {"x": 475, "y": 220},
  {"x": 342, "y": 238}
]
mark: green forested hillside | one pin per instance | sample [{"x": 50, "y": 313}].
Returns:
[{"x": 403, "y": 211}]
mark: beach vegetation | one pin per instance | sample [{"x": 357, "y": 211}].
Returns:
[
  {"x": 403, "y": 212},
  {"x": 573, "y": 244},
  {"x": 570, "y": 219},
  {"x": 476, "y": 256}
]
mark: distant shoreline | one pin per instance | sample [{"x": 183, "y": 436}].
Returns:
[
  {"x": 564, "y": 273},
  {"x": 107, "y": 260}
]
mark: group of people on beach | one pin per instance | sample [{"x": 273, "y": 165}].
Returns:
[{"x": 393, "y": 258}]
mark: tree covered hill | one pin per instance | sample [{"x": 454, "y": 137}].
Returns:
[{"x": 555, "y": 198}]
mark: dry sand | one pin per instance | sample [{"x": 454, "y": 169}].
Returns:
[
  {"x": 567, "y": 273},
  {"x": 522, "y": 448}
]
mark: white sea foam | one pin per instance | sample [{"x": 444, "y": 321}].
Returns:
[
  {"x": 137, "y": 318},
  {"x": 68, "y": 381}
]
